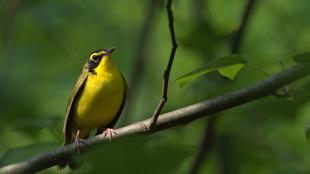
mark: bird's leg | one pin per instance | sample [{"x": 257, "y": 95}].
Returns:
[
  {"x": 77, "y": 141},
  {"x": 108, "y": 132}
]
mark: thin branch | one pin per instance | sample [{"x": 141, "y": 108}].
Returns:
[
  {"x": 205, "y": 145},
  {"x": 238, "y": 37},
  {"x": 226, "y": 159},
  {"x": 177, "y": 117},
  {"x": 166, "y": 74}
]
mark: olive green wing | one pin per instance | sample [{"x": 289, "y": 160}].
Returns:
[{"x": 69, "y": 123}]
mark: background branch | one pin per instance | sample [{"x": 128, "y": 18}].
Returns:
[
  {"x": 209, "y": 137},
  {"x": 6, "y": 36},
  {"x": 170, "y": 119},
  {"x": 238, "y": 37},
  {"x": 141, "y": 56},
  {"x": 205, "y": 145},
  {"x": 166, "y": 74}
]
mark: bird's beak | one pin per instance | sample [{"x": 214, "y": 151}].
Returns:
[{"x": 109, "y": 51}]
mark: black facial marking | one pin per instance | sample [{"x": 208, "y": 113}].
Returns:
[
  {"x": 91, "y": 66},
  {"x": 96, "y": 58},
  {"x": 93, "y": 63},
  {"x": 98, "y": 51},
  {"x": 93, "y": 72}
]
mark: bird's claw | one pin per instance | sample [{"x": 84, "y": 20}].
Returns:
[
  {"x": 109, "y": 133},
  {"x": 77, "y": 144}
]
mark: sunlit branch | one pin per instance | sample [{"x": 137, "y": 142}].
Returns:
[{"x": 166, "y": 74}]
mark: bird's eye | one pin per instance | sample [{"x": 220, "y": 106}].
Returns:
[{"x": 95, "y": 58}]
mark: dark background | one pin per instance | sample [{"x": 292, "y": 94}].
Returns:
[{"x": 43, "y": 45}]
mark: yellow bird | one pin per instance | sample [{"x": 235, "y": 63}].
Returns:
[{"x": 98, "y": 98}]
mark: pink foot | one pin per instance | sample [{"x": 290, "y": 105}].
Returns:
[
  {"x": 77, "y": 145},
  {"x": 77, "y": 142},
  {"x": 109, "y": 133}
]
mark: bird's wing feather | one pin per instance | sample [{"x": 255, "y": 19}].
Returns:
[{"x": 68, "y": 123}]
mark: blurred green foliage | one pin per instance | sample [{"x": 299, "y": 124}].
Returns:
[
  {"x": 303, "y": 57},
  {"x": 43, "y": 45}
]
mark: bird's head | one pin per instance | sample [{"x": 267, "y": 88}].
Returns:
[{"x": 99, "y": 59}]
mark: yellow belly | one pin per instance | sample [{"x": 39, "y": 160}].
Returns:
[{"x": 99, "y": 102}]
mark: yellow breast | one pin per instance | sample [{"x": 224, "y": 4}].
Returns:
[{"x": 100, "y": 99}]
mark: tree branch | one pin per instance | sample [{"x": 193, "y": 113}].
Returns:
[
  {"x": 170, "y": 119},
  {"x": 166, "y": 74}
]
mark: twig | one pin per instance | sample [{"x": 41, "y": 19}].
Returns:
[
  {"x": 205, "y": 146},
  {"x": 170, "y": 119},
  {"x": 238, "y": 37},
  {"x": 166, "y": 74}
]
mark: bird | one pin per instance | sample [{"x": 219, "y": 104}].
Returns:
[{"x": 97, "y": 100}]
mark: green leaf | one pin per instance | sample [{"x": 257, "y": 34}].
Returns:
[
  {"x": 225, "y": 65},
  {"x": 230, "y": 71},
  {"x": 301, "y": 58}
]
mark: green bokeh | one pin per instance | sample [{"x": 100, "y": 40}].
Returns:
[{"x": 44, "y": 44}]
